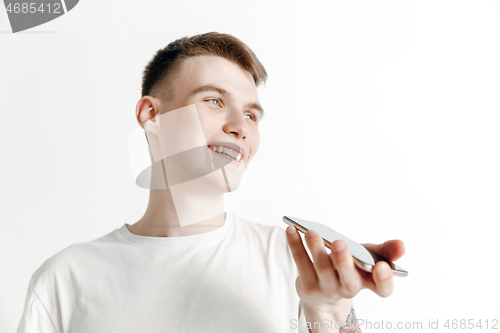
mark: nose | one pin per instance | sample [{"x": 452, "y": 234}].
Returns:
[{"x": 235, "y": 123}]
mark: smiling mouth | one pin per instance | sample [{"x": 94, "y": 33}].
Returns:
[{"x": 226, "y": 151}]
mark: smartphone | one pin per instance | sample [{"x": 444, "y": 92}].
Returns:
[{"x": 363, "y": 258}]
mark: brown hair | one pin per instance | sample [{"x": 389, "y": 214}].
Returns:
[{"x": 168, "y": 59}]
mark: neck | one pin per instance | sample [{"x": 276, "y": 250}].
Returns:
[
  {"x": 188, "y": 208},
  {"x": 162, "y": 220}
]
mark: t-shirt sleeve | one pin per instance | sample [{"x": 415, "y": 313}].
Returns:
[{"x": 35, "y": 318}]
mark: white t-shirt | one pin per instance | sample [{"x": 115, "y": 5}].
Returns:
[{"x": 237, "y": 278}]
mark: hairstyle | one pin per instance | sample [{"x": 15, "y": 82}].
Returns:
[{"x": 167, "y": 60}]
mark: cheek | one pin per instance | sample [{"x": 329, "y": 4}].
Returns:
[
  {"x": 255, "y": 143},
  {"x": 207, "y": 122}
]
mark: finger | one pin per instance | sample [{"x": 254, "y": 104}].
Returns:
[
  {"x": 381, "y": 279},
  {"x": 321, "y": 260},
  {"x": 301, "y": 258},
  {"x": 367, "y": 279},
  {"x": 349, "y": 277},
  {"x": 391, "y": 250}
]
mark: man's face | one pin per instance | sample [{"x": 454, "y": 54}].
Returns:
[{"x": 226, "y": 100}]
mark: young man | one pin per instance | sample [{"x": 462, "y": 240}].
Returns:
[{"x": 186, "y": 266}]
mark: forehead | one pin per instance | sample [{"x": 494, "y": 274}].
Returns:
[{"x": 203, "y": 70}]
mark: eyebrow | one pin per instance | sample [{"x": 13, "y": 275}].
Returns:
[{"x": 212, "y": 87}]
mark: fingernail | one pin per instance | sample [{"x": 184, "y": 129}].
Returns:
[
  {"x": 338, "y": 246},
  {"x": 290, "y": 230}
]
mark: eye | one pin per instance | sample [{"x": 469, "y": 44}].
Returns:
[
  {"x": 252, "y": 116},
  {"x": 215, "y": 101}
]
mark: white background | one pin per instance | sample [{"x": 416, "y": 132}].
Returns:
[{"x": 382, "y": 122}]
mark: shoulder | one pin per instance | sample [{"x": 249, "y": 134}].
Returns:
[
  {"x": 76, "y": 257},
  {"x": 271, "y": 238},
  {"x": 267, "y": 243},
  {"x": 259, "y": 229}
]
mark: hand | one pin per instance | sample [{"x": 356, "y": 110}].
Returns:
[{"x": 334, "y": 276}]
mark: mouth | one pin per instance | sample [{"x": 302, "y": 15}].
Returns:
[{"x": 229, "y": 150}]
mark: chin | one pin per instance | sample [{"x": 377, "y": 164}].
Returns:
[
  {"x": 233, "y": 186},
  {"x": 234, "y": 177},
  {"x": 234, "y": 182}
]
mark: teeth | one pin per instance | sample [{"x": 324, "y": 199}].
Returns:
[{"x": 228, "y": 152}]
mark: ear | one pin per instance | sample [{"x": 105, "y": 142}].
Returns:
[{"x": 147, "y": 109}]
